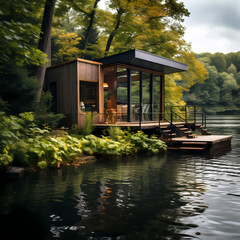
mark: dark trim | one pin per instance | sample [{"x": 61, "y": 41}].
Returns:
[
  {"x": 75, "y": 60},
  {"x": 151, "y": 96},
  {"x": 161, "y": 92},
  {"x": 146, "y": 60},
  {"x": 121, "y": 65},
  {"x": 140, "y": 96},
  {"x": 129, "y": 103}
]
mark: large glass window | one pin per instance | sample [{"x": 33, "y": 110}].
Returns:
[
  {"x": 116, "y": 102},
  {"x": 110, "y": 88},
  {"x": 88, "y": 96},
  {"x": 135, "y": 95},
  {"x": 146, "y": 100},
  {"x": 122, "y": 94},
  {"x": 156, "y": 96}
]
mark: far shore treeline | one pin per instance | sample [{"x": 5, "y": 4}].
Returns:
[{"x": 220, "y": 92}]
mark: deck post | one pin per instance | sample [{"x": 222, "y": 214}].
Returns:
[
  {"x": 129, "y": 103},
  {"x": 140, "y": 100},
  {"x": 151, "y": 97}
]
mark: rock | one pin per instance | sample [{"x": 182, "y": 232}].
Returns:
[{"x": 15, "y": 172}]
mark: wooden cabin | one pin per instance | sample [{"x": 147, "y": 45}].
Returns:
[{"x": 123, "y": 88}]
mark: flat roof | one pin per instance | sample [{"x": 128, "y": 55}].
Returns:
[{"x": 139, "y": 58}]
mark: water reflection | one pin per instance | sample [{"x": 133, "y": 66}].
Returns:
[
  {"x": 141, "y": 198},
  {"x": 176, "y": 196}
]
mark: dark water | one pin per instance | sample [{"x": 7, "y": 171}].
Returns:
[{"x": 176, "y": 196}]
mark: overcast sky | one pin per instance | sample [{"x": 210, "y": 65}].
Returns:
[{"x": 213, "y": 26}]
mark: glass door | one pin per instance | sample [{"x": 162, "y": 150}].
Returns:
[
  {"x": 122, "y": 94},
  {"x": 135, "y": 95},
  {"x": 156, "y": 96},
  {"x": 146, "y": 99}
]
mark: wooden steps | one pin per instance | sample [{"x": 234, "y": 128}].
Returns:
[
  {"x": 187, "y": 145},
  {"x": 186, "y": 148}
]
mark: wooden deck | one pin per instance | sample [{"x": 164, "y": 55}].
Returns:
[
  {"x": 201, "y": 142},
  {"x": 183, "y": 143}
]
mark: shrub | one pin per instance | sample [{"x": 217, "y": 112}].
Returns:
[
  {"x": 43, "y": 112},
  {"x": 140, "y": 141},
  {"x": 88, "y": 126}
]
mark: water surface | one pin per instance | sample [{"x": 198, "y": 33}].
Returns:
[{"x": 175, "y": 196}]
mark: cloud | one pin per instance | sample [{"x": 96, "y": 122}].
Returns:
[{"x": 213, "y": 25}]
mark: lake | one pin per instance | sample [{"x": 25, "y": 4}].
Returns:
[{"x": 174, "y": 196}]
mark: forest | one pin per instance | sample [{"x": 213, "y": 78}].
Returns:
[
  {"x": 39, "y": 33},
  {"x": 220, "y": 92},
  {"x": 35, "y": 34}
]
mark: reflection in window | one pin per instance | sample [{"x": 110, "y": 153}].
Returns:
[
  {"x": 135, "y": 92},
  {"x": 146, "y": 97},
  {"x": 156, "y": 96},
  {"x": 88, "y": 96},
  {"x": 122, "y": 98}
]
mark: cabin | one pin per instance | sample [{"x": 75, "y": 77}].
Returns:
[{"x": 125, "y": 89}]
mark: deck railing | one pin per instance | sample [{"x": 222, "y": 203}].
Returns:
[
  {"x": 186, "y": 114},
  {"x": 189, "y": 114}
]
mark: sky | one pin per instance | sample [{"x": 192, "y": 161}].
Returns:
[{"x": 213, "y": 26}]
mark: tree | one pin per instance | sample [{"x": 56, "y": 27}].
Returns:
[
  {"x": 19, "y": 32},
  {"x": 17, "y": 88},
  {"x": 219, "y": 62},
  {"x": 90, "y": 26},
  {"x": 45, "y": 40},
  {"x": 85, "y": 15},
  {"x": 234, "y": 58},
  {"x": 67, "y": 43},
  {"x": 232, "y": 69},
  {"x": 196, "y": 73}
]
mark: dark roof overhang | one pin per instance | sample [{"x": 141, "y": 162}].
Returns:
[{"x": 138, "y": 58}]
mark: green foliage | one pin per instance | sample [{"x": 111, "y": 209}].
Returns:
[
  {"x": 145, "y": 144},
  {"x": 3, "y": 105},
  {"x": 22, "y": 143},
  {"x": 88, "y": 125},
  {"x": 42, "y": 164},
  {"x": 218, "y": 60},
  {"x": 154, "y": 26},
  {"x": 17, "y": 88},
  {"x": 18, "y": 31},
  {"x": 43, "y": 114},
  {"x": 221, "y": 90}
]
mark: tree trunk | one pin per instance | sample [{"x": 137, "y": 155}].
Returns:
[
  {"x": 44, "y": 41},
  {"x": 90, "y": 26},
  {"x": 113, "y": 33}
]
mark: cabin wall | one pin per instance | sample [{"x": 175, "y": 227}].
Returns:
[
  {"x": 90, "y": 71},
  {"x": 65, "y": 75}
]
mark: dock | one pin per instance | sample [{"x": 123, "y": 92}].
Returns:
[
  {"x": 200, "y": 142},
  {"x": 180, "y": 136}
]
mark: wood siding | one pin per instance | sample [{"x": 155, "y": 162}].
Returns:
[
  {"x": 66, "y": 78},
  {"x": 88, "y": 72}
]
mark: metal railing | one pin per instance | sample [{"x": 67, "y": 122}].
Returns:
[
  {"x": 186, "y": 114},
  {"x": 189, "y": 114}
]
